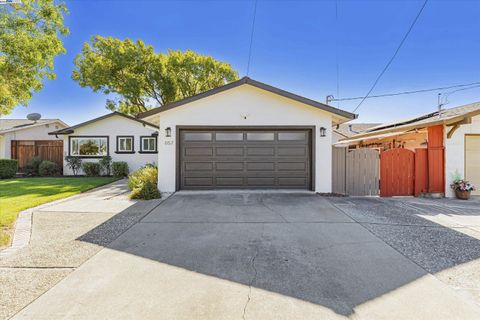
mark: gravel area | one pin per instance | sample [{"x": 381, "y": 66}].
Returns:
[{"x": 440, "y": 235}]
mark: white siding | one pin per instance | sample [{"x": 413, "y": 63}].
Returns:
[
  {"x": 36, "y": 133},
  {"x": 112, "y": 127},
  {"x": 245, "y": 106},
  {"x": 455, "y": 152}
]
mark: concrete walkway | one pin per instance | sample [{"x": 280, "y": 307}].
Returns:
[
  {"x": 55, "y": 248},
  {"x": 257, "y": 256}
]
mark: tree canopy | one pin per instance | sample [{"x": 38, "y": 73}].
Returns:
[
  {"x": 29, "y": 40},
  {"x": 141, "y": 78}
]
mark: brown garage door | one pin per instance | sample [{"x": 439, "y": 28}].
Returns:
[{"x": 220, "y": 159}]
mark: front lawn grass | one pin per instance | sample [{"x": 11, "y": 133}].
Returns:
[{"x": 20, "y": 194}]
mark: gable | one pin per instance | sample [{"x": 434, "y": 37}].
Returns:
[{"x": 339, "y": 114}]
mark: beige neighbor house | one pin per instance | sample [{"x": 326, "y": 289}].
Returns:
[
  {"x": 21, "y": 139},
  {"x": 245, "y": 134},
  {"x": 454, "y": 133}
]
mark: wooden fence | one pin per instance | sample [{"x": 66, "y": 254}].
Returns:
[
  {"x": 24, "y": 150},
  {"x": 356, "y": 172}
]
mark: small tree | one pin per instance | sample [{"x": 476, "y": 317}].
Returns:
[
  {"x": 106, "y": 165},
  {"x": 74, "y": 163}
]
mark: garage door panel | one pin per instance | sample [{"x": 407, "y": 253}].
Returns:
[
  {"x": 261, "y": 151},
  {"x": 291, "y": 181},
  {"x": 229, "y": 151},
  {"x": 198, "y": 166},
  {"x": 229, "y": 166},
  {"x": 472, "y": 161},
  {"x": 229, "y": 181},
  {"x": 292, "y": 151},
  {"x": 292, "y": 166},
  {"x": 198, "y": 151},
  {"x": 198, "y": 181},
  {"x": 275, "y": 158},
  {"x": 261, "y": 181},
  {"x": 261, "y": 166}
]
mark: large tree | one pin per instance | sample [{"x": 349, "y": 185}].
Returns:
[
  {"x": 29, "y": 40},
  {"x": 141, "y": 78}
]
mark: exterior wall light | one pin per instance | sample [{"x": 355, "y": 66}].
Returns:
[
  {"x": 168, "y": 132},
  {"x": 323, "y": 132}
]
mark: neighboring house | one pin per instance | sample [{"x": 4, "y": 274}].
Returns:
[
  {"x": 245, "y": 134},
  {"x": 449, "y": 138},
  {"x": 120, "y": 136},
  {"x": 347, "y": 130},
  {"x": 21, "y": 139}
]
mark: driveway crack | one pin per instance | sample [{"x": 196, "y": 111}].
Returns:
[{"x": 255, "y": 274}]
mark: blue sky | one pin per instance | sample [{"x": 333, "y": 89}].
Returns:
[{"x": 294, "y": 48}]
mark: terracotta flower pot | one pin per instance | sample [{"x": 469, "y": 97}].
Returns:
[{"x": 463, "y": 195}]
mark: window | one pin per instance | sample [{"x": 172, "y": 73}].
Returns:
[
  {"x": 260, "y": 136},
  {"x": 291, "y": 136},
  {"x": 148, "y": 144},
  {"x": 229, "y": 136},
  {"x": 125, "y": 144},
  {"x": 198, "y": 136},
  {"x": 89, "y": 146}
]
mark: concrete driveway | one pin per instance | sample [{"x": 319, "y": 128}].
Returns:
[{"x": 272, "y": 256}]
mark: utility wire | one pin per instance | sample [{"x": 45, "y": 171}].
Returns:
[
  {"x": 336, "y": 53},
  {"x": 394, "y": 55},
  {"x": 408, "y": 92},
  {"x": 251, "y": 36}
]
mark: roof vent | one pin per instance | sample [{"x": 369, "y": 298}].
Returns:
[{"x": 34, "y": 117}]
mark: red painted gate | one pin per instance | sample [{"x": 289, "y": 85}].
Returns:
[{"x": 397, "y": 171}]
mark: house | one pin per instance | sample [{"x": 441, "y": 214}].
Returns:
[
  {"x": 120, "y": 136},
  {"x": 245, "y": 134},
  {"x": 21, "y": 139},
  {"x": 448, "y": 141},
  {"x": 347, "y": 130}
]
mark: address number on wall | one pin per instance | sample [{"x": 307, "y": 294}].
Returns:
[{"x": 170, "y": 142}]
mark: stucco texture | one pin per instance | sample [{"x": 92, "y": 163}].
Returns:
[
  {"x": 112, "y": 127},
  {"x": 455, "y": 152}
]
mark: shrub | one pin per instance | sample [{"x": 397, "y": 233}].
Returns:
[
  {"x": 74, "y": 163},
  {"x": 48, "y": 168},
  {"x": 106, "y": 165},
  {"x": 143, "y": 183},
  {"x": 32, "y": 166},
  {"x": 91, "y": 169},
  {"x": 120, "y": 169},
  {"x": 8, "y": 168}
]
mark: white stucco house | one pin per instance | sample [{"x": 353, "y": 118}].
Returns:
[
  {"x": 120, "y": 136},
  {"x": 245, "y": 134}
]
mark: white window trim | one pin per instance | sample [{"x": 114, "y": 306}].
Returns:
[
  {"x": 70, "y": 146},
  {"x": 142, "y": 150}
]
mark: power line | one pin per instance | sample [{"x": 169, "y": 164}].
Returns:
[
  {"x": 394, "y": 55},
  {"x": 408, "y": 92},
  {"x": 251, "y": 36},
  {"x": 337, "y": 66}
]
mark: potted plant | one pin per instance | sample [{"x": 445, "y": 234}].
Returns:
[{"x": 462, "y": 188}]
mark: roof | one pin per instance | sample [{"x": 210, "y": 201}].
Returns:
[
  {"x": 9, "y": 125},
  {"x": 446, "y": 116},
  {"x": 70, "y": 130},
  {"x": 350, "y": 129},
  {"x": 247, "y": 80}
]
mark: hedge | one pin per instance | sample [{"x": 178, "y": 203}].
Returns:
[{"x": 8, "y": 168}]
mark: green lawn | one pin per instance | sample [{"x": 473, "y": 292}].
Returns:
[{"x": 20, "y": 194}]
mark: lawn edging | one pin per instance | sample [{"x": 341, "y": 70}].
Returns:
[{"x": 22, "y": 229}]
